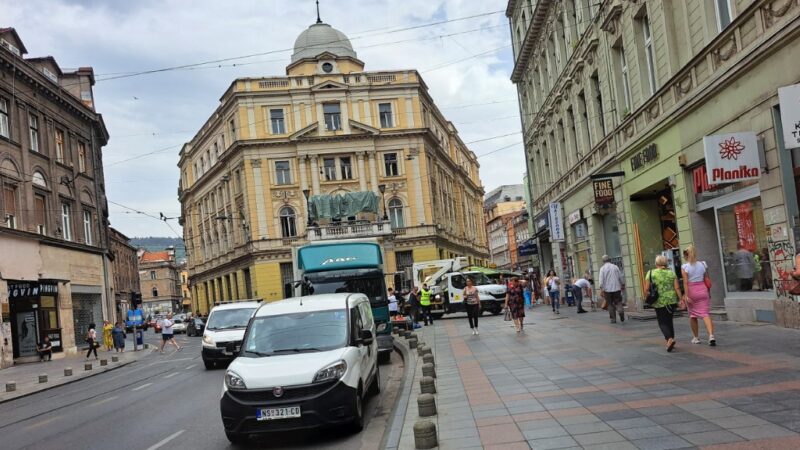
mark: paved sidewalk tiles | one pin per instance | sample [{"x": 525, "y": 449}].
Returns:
[{"x": 580, "y": 382}]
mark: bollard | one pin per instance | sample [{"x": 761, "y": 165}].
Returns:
[
  {"x": 426, "y": 404},
  {"x": 115, "y": 359},
  {"x": 68, "y": 372},
  {"x": 428, "y": 358},
  {"x": 428, "y": 370},
  {"x": 407, "y": 334},
  {"x": 412, "y": 335},
  {"x": 103, "y": 362},
  {"x": 11, "y": 386},
  {"x": 425, "y": 350},
  {"x": 396, "y": 330},
  {"x": 420, "y": 343},
  {"x": 43, "y": 378},
  {"x": 427, "y": 385},
  {"x": 412, "y": 343},
  {"x": 146, "y": 346},
  {"x": 87, "y": 366},
  {"x": 425, "y": 435}
]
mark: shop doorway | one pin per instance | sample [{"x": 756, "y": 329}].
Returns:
[
  {"x": 34, "y": 314},
  {"x": 653, "y": 212}
]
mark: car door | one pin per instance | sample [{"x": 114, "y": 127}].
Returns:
[
  {"x": 456, "y": 288},
  {"x": 369, "y": 324}
]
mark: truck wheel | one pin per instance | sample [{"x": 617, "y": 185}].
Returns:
[
  {"x": 209, "y": 364},
  {"x": 358, "y": 412},
  {"x": 384, "y": 358},
  {"x": 235, "y": 438},
  {"x": 375, "y": 387}
]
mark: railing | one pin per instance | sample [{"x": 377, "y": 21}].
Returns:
[
  {"x": 349, "y": 231},
  {"x": 271, "y": 84},
  {"x": 388, "y": 78}
]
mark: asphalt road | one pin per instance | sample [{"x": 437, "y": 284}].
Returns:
[{"x": 162, "y": 401}]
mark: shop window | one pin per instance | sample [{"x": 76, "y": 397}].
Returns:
[
  {"x": 743, "y": 242},
  {"x": 581, "y": 231}
]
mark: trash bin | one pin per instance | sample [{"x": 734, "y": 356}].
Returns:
[
  {"x": 139, "y": 339},
  {"x": 569, "y": 294}
]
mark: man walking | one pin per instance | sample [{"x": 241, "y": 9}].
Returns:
[
  {"x": 579, "y": 287},
  {"x": 425, "y": 303},
  {"x": 413, "y": 305},
  {"x": 745, "y": 265},
  {"x": 167, "y": 334},
  {"x": 611, "y": 285}
]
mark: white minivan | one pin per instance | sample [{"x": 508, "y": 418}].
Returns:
[
  {"x": 305, "y": 362},
  {"x": 224, "y": 331}
]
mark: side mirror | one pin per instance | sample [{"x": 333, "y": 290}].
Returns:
[{"x": 365, "y": 337}]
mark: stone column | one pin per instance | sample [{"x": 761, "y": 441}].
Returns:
[
  {"x": 362, "y": 173},
  {"x": 302, "y": 169},
  {"x": 373, "y": 172},
  {"x": 314, "y": 176},
  {"x": 419, "y": 200}
]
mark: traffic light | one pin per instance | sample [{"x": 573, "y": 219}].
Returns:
[{"x": 136, "y": 300}]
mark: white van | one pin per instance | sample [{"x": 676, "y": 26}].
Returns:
[
  {"x": 224, "y": 331},
  {"x": 305, "y": 363}
]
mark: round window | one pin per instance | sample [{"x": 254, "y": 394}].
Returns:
[{"x": 327, "y": 67}]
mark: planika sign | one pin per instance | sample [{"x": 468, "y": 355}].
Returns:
[{"x": 731, "y": 157}]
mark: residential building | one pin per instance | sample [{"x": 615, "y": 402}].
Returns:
[
  {"x": 55, "y": 274},
  {"x": 327, "y": 129},
  {"x": 186, "y": 290},
  {"x": 500, "y": 208},
  {"x": 652, "y": 125},
  {"x": 159, "y": 282},
  {"x": 125, "y": 267}
]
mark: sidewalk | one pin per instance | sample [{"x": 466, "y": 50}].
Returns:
[
  {"x": 576, "y": 381},
  {"x": 26, "y": 376}
]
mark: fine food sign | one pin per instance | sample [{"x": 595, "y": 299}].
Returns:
[
  {"x": 731, "y": 157},
  {"x": 603, "y": 192}
]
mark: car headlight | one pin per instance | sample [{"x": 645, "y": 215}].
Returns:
[
  {"x": 208, "y": 340},
  {"x": 334, "y": 371},
  {"x": 234, "y": 381},
  {"x": 382, "y": 327}
]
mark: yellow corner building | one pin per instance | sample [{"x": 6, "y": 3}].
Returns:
[{"x": 327, "y": 128}]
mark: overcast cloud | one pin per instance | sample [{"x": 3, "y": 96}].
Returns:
[{"x": 159, "y": 112}]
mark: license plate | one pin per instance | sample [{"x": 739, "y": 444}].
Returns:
[{"x": 288, "y": 412}]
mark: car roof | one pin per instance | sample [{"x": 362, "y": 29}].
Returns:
[
  {"x": 236, "y": 305},
  {"x": 321, "y": 302}
]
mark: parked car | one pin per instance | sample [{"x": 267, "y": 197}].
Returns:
[
  {"x": 224, "y": 331},
  {"x": 305, "y": 363},
  {"x": 195, "y": 327},
  {"x": 178, "y": 326}
]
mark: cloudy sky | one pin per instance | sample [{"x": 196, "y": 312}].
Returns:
[{"x": 462, "y": 48}]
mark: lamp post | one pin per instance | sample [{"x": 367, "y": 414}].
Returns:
[
  {"x": 382, "y": 188},
  {"x": 306, "y": 193}
]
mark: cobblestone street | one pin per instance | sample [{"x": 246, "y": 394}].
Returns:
[{"x": 575, "y": 381}]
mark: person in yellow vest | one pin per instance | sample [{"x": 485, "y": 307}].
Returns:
[{"x": 425, "y": 304}]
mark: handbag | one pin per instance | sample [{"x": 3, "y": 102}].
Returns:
[
  {"x": 706, "y": 278},
  {"x": 507, "y": 316},
  {"x": 652, "y": 292}
]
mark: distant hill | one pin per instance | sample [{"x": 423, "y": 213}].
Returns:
[{"x": 154, "y": 244}]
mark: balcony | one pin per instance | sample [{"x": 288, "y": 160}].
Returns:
[{"x": 349, "y": 231}]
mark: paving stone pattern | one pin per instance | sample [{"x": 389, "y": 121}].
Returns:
[{"x": 576, "y": 381}]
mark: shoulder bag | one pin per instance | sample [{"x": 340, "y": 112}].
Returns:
[
  {"x": 652, "y": 292},
  {"x": 706, "y": 278}
]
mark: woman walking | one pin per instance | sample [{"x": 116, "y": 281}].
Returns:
[
  {"x": 515, "y": 303},
  {"x": 108, "y": 341},
  {"x": 472, "y": 302},
  {"x": 91, "y": 339},
  {"x": 696, "y": 285},
  {"x": 669, "y": 291},
  {"x": 118, "y": 335},
  {"x": 553, "y": 284}
]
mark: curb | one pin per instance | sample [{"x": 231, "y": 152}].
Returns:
[
  {"x": 75, "y": 380},
  {"x": 391, "y": 439}
]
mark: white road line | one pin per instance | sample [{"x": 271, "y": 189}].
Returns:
[
  {"x": 190, "y": 366},
  {"x": 141, "y": 387},
  {"x": 171, "y": 375},
  {"x": 164, "y": 441},
  {"x": 43, "y": 422},
  {"x": 106, "y": 400}
]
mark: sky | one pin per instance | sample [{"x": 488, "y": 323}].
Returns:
[{"x": 461, "y": 47}]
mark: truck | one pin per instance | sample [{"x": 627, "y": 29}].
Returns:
[
  {"x": 353, "y": 266},
  {"x": 447, "y": 279}
]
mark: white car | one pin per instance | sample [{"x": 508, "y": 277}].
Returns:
[
  {"x": 178, "y": 326},
  {"x": 305, "y": 363},
  {"x": 224, "y": 331}
]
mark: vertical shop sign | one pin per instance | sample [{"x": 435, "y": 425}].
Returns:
[
  {"x": 556, "y": 222},
  {"x": 789, "y": 98},
  {"x": 744, "y": 225}
]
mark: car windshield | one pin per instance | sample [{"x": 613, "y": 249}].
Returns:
[
  {"x": 296, "y": 333},
  {"x": 371, "y": 285},
  {"x": 177, "y": 321},
  {"x": 226, "y": 319}
]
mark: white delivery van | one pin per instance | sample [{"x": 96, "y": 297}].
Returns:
[{"x": 224, "y": 331}]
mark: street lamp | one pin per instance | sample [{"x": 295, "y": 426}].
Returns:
[
  {"x": 382, "y": 188},
  {"x": 306, "y": 193}
]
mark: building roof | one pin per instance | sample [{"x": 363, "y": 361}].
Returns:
[
  {"x": 505, "y": 193},
  {"x": 18, "y": 42},
  {"x": 320, "y": 38},
  {"x": 155, "y": 256}
]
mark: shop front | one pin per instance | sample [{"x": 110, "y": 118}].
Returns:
[
  {"x": 542, "y": 237},
  {"x": 34, "y": 314}
]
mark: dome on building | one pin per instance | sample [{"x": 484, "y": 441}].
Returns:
[{"x": 320, "y": 38}]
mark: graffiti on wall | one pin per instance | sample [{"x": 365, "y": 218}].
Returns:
[{"x": 781, "y": 254}]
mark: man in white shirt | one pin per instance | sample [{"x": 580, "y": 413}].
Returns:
[
  {"x": 611, "y": 285},
  {"x": 579, "y": 287},
  {"x": 392, "y": 303},
  {"x": 167, "y": 333}
]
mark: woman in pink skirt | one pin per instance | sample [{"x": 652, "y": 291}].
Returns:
[{"x": 697, "y": 295}]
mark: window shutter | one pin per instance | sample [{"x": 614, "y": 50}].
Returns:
[
  {"x": 9, "y": 201},
  {"x": 38, "y": 208}
]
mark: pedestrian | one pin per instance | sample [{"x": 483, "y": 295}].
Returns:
[
  {"x": 745, "y": 265},
  {"x": 392, "y": 303},
  {"x": 413, "y": 306},
  {"x": 45, "y": 349},
  {"x": 554, "y": 290},
  {"x": 425, "y": 304},
  {"x": 472, "y": 302},
  {"x": 167, "y": 334},
  {"x": 526, "y": 291},
  {"x": 579, "y": 287},
  {"x": 669, "y": 291},
  {"x": 697, "y": 285},
  {"x": 118, "y": 335},
  {"x": 611, "y": 285},
  {"x": 91, "y": 339},
  {"x": 515, "y": 303},
  {"x": 107, "y": 340}
]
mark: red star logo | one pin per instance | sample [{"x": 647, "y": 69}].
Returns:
[{"x": 730, "y": 149}]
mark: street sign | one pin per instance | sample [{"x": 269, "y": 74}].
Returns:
[
  {"x": 789, "y": 98},
  {"x": 134, "y": 318}
]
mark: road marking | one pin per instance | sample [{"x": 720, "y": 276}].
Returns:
[
  {"x": 171, "y": 375},
  {"x": 164, "y": 441},
  {"x": 190, "y": 366},
  {"x": 103, "y": 401},
  {"x": 141, "y": 387},
  {"x": 165, "y": 361},
  {"x": 44, "y": 422}
]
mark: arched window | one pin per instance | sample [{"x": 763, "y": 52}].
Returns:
[
  {"x": 288, "y": 222},
  {"x": 38, "y": 179},
  {"x": 396, "y": 213}
]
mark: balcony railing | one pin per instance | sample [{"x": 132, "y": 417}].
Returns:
[{"x": 349, "y": 231}]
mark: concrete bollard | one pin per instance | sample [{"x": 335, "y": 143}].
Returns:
[
  {"x": 412, "y": 343},
  {"x": 425, "y": 350},
  {"x": 428, "y": 358},
  {"x": 115, "y": 359},
  {"x": 103, "y": 362},
  {"x": 68, "y": 371},
  {"x": 407, "y": 334},
  {"x": 396, "y": 330},
  {"x": 428, "y": 370},
  {"x": 43, "y": 378},
  {"x": 426, "y": 404},
  {"x": 420, "y": 343},
  {"x": 412, "y": 335},
  {"x": 87, "y": 366},
  {"x": 427, "y": 385},
  {"x": 146, "y": 346},
  {"x": 425, "y": 435},
  {"x": 11, "y": 386}
]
